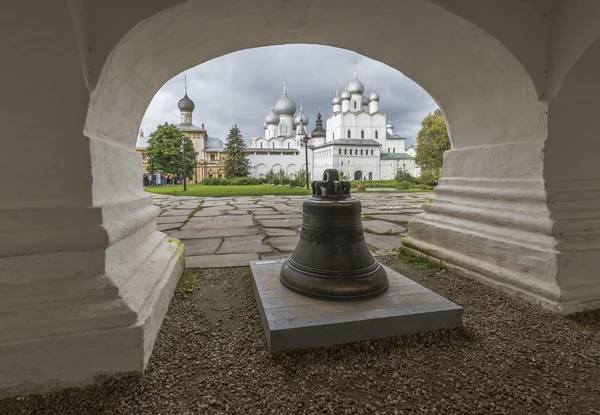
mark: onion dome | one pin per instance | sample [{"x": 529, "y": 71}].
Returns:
[
  {"x": 319, "y": 131},
  {"x": 271, "y": 118},
  {"x": 374, "y": 96},
  {"x": 301, "y": 117},
  {"x": 389, "y": 123},
  {"x": 345, "y": 94},
  {"x": 356, "y": 87},
  {"x": 186, "y": 104},
  {"x": 365, "y": 101},
  {"x": 285, "y": 106},
  {"x": 336, "y": 100}
]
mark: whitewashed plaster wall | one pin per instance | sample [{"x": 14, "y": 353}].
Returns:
[{"x": 507, "y": 212}]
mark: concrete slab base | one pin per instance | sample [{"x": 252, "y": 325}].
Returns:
[{"x": 292, "y": 321}]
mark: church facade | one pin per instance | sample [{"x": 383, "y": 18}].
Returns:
[
  {"x": 359, "y": 140},
  {"x": 210, "y": 162}
]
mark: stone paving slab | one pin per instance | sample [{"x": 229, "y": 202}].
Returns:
[
  {"x": 264, "y": 211},
  {"x": 384, "y": 243},
  {"x": 220, "y": 261},
  {"x": 284, "y": 243},
  {"x": 171, "y": 219},
  {"x": 381, "y": 226},
  {"x": 218, "y": 224},
  {"x": 279, "y": 232},
  {"x": 280, "y": 223},
  {"x": 167, "y": 226},
  {"x": 183, "y": 212},
  {"x": 244, "y": 245},
  {"x": 213, "y": 233},
  {"x": 202, "y": 246},
  {"x": 210, "y": 212},
  {"x": 277, "y": 216},
  {"x": 394, "y": 217}
]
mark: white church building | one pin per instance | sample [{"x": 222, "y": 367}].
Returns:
[{"x": 358, "y": 140}]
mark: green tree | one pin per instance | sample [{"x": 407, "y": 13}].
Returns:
[
  {"x": 432, "y": 142},
  {"x": 164, "y": 150},
  {"x": 236, "y": 163}
]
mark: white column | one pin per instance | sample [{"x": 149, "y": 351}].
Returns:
[{"x": 85, "y": 279}]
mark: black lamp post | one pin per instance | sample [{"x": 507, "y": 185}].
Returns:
[
  {"x": 184, "y": 165},
  {"x": 153, "y": 173},
  {"x": 305, "y": 139}
]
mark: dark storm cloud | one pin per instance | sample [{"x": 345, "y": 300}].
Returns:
[{"x": 239, "y": 88}]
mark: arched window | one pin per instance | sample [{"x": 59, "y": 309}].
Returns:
[
  {"x": 361, "y": 152},
  {"x": 354, "y": 104},
  {"x": 261, "y": 145},
  {"x": 376, "y": 134},
  {"x": 288, "y": 146},
  {"x": 333, "y": 136},
  {"x": 348, "y": 133},
  {"x": 389, "y": 150},
  {"x": 340, "y": 151},
  {"x": 342, "y": 163},
  {"x": 394, "y": 150},
  {"x": 345, "y": 151},
  {"x": 371, "y": 152},
  {"x": 273, "y": 145},
  {"x": 362, "y": 133}
]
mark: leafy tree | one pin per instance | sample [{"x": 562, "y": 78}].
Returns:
[
  {"x": 236, "y": 163},
  {"x": 432, "y": 142},
  {"x": 164, "y": 150}
]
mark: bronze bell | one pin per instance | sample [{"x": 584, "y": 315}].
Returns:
[{"x": 332, "y": 259}]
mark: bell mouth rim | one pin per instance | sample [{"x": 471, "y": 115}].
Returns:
[
  {"x": 337, "y": 297},
  {"x": 331, "y": 274}
]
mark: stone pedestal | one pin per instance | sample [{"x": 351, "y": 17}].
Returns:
[{"x": 293, "y": 321}]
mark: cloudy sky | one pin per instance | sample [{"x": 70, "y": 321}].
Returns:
[{"x": 239, "y": 88}]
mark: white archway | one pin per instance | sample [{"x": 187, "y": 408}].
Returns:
[{"x": 507, "y": 211}]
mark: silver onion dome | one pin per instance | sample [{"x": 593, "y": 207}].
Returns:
[
  {"x": 272, "y": 117},
  {"x": 356, "y": 87},
  {"x": 345, "y": 95},
  {"x": 365, "y": 101},
  {"x": 301, "y": 117},
  {"x": 336, "y": 100},
  {"x": 285, "y": 106},
  {"x": 374, "y": 96},
  {"x": 186, "y": 104}
]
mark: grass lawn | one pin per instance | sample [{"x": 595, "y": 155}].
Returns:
[{"x": 216, "y": 191}]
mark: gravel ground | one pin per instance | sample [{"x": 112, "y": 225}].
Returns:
[{"x": 211, "y": 358}]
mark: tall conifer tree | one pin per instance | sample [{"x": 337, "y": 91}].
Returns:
[{"x": 236, "y": 163}]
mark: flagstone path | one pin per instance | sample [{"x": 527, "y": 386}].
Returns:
[{"x": 231, "y": 231}]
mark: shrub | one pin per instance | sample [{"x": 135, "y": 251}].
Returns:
[
  {"x": 405, "y": 185},
  {"x": 404, "y": 176},
  {"x": 299, "y": 180},
  {"x": 429, "y": 177},
  {"x": 237, "y": 181}
]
